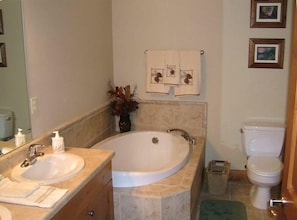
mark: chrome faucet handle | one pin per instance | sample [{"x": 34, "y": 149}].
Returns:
[
  {"x": 33, "y": 149},
  {"x": 35, "y": 146}
]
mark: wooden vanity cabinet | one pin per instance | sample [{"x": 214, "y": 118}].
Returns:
[{"x": 94, "y": 201}]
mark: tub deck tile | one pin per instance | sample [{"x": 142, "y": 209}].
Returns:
[{"x": 169, "y": 198}]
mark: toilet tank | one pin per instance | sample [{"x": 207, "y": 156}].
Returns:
[
  {"x": 262, "y": 138},
  {"x": 6, "y": 124}
]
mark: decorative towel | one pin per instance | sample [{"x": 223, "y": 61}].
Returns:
[
  {"x": 172, "y": 67},
  {"x": 44, "y": 197},
  {"x": 190, "y": 73},
  {"x": 16, "y": 189},
  {"x": 156, "y": 72}
]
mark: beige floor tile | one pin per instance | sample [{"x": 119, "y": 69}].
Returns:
[{"x": 239, "y": 191}]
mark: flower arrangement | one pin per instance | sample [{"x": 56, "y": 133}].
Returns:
[{"x": 122, "y": 100}]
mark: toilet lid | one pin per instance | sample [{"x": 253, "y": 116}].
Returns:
[{"x": 266, "y": 166}]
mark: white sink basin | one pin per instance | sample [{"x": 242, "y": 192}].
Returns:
[
  {"x": 5, "y": 214},
  {"x": 50, "y": 168}
]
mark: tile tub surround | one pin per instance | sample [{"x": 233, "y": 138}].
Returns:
[
  {"x": 175, "y": 197},
  {"x": 85, "y": 130},
  {"x": 89, "y": 129},
  {"x": 163, "y": 115},
  {"x": 172, "y": 198}
]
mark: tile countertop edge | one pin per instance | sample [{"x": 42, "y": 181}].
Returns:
[{"x": 95, "y": 160}]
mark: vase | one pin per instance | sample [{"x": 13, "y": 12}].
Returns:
[{"x": 125, "y": 123}]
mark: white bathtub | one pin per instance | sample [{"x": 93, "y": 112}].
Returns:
[{"x": 138, "y": 161}]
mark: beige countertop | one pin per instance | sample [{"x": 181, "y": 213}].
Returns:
[
  {"x": 95, "y": 160},
  {"x": 7, "y": 146}
]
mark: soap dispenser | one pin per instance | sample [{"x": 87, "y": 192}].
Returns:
[
  {"x": 19, "y": 138},
  {"x": 58, "y": 143}
]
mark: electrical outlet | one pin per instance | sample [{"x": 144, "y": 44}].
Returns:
[{"x": 34, "y": 105}]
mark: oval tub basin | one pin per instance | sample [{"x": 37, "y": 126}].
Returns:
[{"x": 145, "y": 157}]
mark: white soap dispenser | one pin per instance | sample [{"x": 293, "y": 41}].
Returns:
[
  {"x": 58, "y": 143},
  {"x": 19, "y": 138}
]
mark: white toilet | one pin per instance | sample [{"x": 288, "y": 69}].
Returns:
[{"x": 263, "y": 143}]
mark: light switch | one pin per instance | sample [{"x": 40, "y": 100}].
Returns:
[{"x": 34, "y": 105}]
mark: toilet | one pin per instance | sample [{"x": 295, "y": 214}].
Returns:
[
  {"x": 6, "y": 124},
  {"x": 262, "y": 143}
]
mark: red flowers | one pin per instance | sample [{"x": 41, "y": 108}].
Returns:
[{"x": 122, "y": 100}]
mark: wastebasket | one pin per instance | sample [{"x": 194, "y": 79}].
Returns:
[{"x": 217, "y": 176}]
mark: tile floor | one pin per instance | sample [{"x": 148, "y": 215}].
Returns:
[{"x": 239, "y": 191}]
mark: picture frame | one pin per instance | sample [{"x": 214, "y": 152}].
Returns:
[
  {"x": 266, "y": 53},
  {"x": 1, "y": 23},
  {"x": 3, "y": 62},
  {"x": 268, "y": 13}
]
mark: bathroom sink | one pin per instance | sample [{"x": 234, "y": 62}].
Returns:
[
  {"x": 5, "y": 213},
  {"x": 50, "y": 168}
]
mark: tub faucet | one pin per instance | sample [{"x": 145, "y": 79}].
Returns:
[
  {"x": 32, "y": 155},
  {"x": 184, "y": 134}
]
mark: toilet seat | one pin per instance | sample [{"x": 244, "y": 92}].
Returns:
[{"x": 265, "y": 166}]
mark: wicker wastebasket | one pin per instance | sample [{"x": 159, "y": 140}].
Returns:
[{"x": 217, "y": 176}]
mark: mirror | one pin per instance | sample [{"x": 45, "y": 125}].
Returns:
[{"x": 13, "y": 86}]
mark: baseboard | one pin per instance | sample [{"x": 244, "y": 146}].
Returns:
[{"x": 238, "y": 176}]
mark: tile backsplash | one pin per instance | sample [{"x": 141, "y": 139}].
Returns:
[
  {"x": 83, "y": 131},
  {"x": 97, "y": 125}
]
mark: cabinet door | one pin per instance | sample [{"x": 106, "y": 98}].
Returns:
[
  {"x": 101, "y": 207},
  {"x": 94, "y": 201}
]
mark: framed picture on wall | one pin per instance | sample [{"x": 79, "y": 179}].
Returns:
[
  {"x": 3, "y": 62},
  {"x": 1, "y": 23},
  {"x": 266, "y": 53},
  {"x": 268, "y": 13}
]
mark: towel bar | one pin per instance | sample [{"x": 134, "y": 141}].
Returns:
[{"x": 201, "y": 52}]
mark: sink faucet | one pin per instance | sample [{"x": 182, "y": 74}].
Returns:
[{"x": 32, "y": 155}]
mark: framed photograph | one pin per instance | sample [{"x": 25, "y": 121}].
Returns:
[
  {"x": 1, "y": 23},
  {"x": 266, "y": 53},
  {"x": 3, "y": 62},
  {"x": 268, "y": 13}
]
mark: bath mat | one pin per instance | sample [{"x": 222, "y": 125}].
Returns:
[{"x": 222, "y": 210}]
